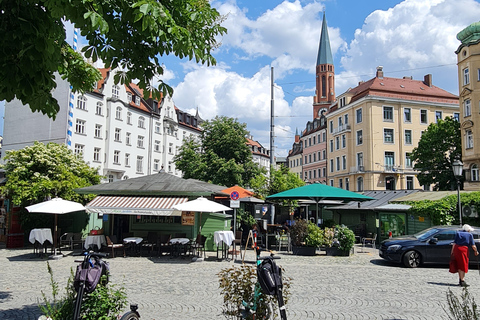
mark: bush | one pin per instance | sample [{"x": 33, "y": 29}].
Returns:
[
  {"x": 314, "y": 236},
  {"x": 345, "y": 237},
  {"x": 298, "y": 232},
  {"x": 105, "y": 303}
]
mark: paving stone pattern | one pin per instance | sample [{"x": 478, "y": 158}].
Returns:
[{"x": 362, "y": 286}]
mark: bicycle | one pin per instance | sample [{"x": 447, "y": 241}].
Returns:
[
  {"x": 88, "y": 275},
  {"x": 269, "y": 282}
]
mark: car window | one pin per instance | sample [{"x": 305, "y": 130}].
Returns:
[
  {"x": 425, "y": 234},
  {"x": 446, "y": 235}
]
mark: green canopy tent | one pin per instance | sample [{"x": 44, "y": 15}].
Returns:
[{"x": 319, "y": 192}]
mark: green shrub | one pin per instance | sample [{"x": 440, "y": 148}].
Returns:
[
  {"x": 298, "y": 232},
  {"x": 345, "y": 237},
  {"x": 314, "y": 237}
]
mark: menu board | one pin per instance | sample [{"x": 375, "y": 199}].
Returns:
[{"x": 188, "y": 218}]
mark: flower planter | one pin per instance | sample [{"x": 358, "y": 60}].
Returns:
[
  {"x": 334, "y": 251},
  {"x": 303, "y": 250}
]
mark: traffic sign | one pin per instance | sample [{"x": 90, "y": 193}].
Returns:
[
  {"x": 234, "y": 204},
  {"x": 234, "y": 195}
]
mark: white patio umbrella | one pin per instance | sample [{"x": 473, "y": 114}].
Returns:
[
  {"x": 201, "y": 205},
  {"x": 56, "y": 206}
]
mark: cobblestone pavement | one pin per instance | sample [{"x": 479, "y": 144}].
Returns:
[{"x": 362, "y": 286}]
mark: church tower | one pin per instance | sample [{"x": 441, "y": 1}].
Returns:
[{"x": 325, "y": 84}]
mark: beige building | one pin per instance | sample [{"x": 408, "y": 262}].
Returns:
[
  {"x": 373, "y": 128},
  {"x": 468, "y": 61}
]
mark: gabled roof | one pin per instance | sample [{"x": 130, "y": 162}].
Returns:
[{"x": 324, "y": 50}]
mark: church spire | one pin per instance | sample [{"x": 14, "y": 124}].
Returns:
[{"x": 325, "y": 86}]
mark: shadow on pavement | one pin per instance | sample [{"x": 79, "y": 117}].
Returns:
[
  {"x": 25, "y": 312},
  {"x": 443, "y": 284}
]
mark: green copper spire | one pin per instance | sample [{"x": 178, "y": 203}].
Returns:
[{"x": 324, "y": 50}]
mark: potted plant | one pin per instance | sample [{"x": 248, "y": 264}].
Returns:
[
  {"x": 305, "y": 237},
  {"x": 342, "y": 242}
]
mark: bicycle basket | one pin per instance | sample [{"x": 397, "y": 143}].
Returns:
[
  {"x": 269, "y": 276},
  {"x": 91, "y": 275}
]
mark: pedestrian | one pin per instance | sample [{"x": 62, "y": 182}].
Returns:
[{"x": 459, "y": 255}]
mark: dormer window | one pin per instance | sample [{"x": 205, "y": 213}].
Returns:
[
  {"x": 129, "y": 97},
  {"x": 137, "y": 100},
  {"x": 115, "y": 91}
]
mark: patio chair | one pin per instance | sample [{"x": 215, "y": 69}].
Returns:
[
  {"x": 114, "y": 246},
  {"x": 151, "y": 243},
  {"x": 238, "y": 243},
  {"x": 66, "y": 239},
  {"x": 77, "y": 239},
  {"x": 164, "y": 244},
  {"x": 199, "y": 245},
  {"x": 370, "y": 241},
  {"x": 283, "y": 241}
]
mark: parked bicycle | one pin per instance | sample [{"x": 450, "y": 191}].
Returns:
[
  {"x": 88, "y": 275},
  {"x": 269, "y": 282}
]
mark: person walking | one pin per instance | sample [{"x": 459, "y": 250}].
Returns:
[{"x": 459, "y": 256}]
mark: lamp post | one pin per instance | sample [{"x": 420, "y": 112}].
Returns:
[{"x": 457, "y": 172}]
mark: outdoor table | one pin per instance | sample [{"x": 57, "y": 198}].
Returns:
[
  {"x": 223, "y": 240},
  {"x": 40, "y": 236},
  {"x": 92, "y": 241},
  {"x": 178, "y": 245},
  {"x": 133, "y": 241}
]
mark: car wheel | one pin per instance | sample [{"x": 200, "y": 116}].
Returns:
[{"x": 412, "y": 259}]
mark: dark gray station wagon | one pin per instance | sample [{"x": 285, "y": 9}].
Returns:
[{"x": 432, "y": 245}]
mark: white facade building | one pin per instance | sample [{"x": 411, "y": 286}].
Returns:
[{"x": 113, "y": 127}]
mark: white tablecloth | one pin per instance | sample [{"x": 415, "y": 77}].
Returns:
[
  {"x": 226, "y": 237},
  {"x": 179, "y": 241},
  {"x": 137, "y": 240},
  {"x": 40, "y": 235},
  {"x": 97, "y": 240}
]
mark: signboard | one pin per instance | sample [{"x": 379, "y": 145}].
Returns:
[
  {"x": 234, "y": 195},
  {"x": 188, "y": 218},
  {"x": 234, "y": 204}
]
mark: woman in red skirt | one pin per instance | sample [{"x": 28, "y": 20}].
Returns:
[{"x": 459, "y": 256}]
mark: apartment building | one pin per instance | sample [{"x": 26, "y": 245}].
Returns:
[
  {"x": 468, "y": 62},
  {"x": 373, "y": 128},
  {"x": 295, "y": 157},
  {"x": 114, "y": 128}
]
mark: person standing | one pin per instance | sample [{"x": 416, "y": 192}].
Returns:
[{"x": 459, "y": 256}]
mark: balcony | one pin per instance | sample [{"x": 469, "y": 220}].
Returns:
[{"x": 342, "y": 128}]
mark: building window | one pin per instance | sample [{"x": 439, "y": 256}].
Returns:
[
  {"x": 140, "y": 141},
  {"x": 98, "y": 131},
  {"x": 99, "y": 109},
  {"x": 158, "y": 128},
  {"x": 80, "y": 126},
  {"x": 156, "y": 165},
  {"x": 478, "y": 74},
  {"x": 129, "y": 97},
  {"x": 170, "y": 148},
  {"x": 409, "y": 183},
  {"x": 340, "y": 183},
  {"x": 337, "y": 142},
  {"x": 360, "y": 184},
  {"x": 407, "y": 115},
  {"x": 359, "y": 137},
  {"x": 358, "y": 114},
  {"x": 331, "y": 182},
  {"x": 331, "y": 145},
  {"x": 337, "y": 161},
  {"x": 117, "y": 134},
  {"x": 324, "y": 154},
  {"x": 331, "y": 165},
  {"x": 324, "y": 171},
  {"x": 340, "y": 122},
  {"x": 129, "y": 118},
  {"x": 474, "y": 173},
  {"x": 96, "y": 154},
  {"x": 156, "y": 146},
  {"x": 306, "y": 160},
  {"x": 467, "y": 108},
  {"x": 137, "y": 100},
  {"x": 310, "y": 158},
  {"x": 79, "y": 149},
  {"x": 115, "y": 91},
  {"x": 344, "y": 141},
  {"x": 387, "y": 113},
  {"x": 389, "y": 160},
  {"x": 110, "y": 178},
  {"x": 118, "y": 113},
  {"x": 128, "y": 141},
  {"x": 466, "y": 76},
  {"x": 116, "y": 157},
  {"x": 347, "y": 184},
  {"x": 423, "y": 117},
  {"x": 331, "y": 126},
  {"x": 360, "y": 161},
  {"x": 344, "y": 162},
  {"x": 408, "y": 160},
  {"x": 141, "y": 122},
  {"x": 408, "y": 136},
  {"x": 456, "y": 116},
  {"x": 127, "y": 159},
  {"x": 469, "y": 139},
  {"x": 346, "y": 118},
  {"x": 438, "y": 116},
  {"x": 139, "y": 164},
  {"x": 310, "y": 142},
  {"x": 388, "y": 136},
  {"x": 82, "y": 103}
]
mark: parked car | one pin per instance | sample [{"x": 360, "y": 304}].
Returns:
[{"x": 432, "y": 245}]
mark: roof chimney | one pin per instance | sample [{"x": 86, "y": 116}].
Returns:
[
  {"x": 380, "y": 72},
  {"x": 428, "y": 80},
  {"x": 408, "y": 78}
]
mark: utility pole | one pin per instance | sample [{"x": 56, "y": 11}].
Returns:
[{"x": 272, "y": 132}]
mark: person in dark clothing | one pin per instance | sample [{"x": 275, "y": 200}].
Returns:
[{"x": 459, "y": 255}]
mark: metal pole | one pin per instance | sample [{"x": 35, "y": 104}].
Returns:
[
  {"x": 459, "y": 202},
  {"x": 272, "y": 158}
]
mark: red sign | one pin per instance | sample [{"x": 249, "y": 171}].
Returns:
[{"x": 234, "y": 195}]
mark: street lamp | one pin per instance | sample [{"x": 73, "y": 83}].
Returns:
[{"x": 457, "y": 172}]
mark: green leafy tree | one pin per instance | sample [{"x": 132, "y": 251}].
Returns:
[
  {"x": 437, "y": 149},
  {"x": 221, "y": 156},
  {"x": 280, "y": 180},
  {"x": 126, "y": 34}
]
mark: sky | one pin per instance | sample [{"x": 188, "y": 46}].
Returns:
[{"x": 408, "y": 38}]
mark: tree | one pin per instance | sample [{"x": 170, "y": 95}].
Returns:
[
  {"x": 221, "y": 156},
  {"x": 438, "y": 147},
  {"x": 281, "y": 180},
  {"x": 130, "y": 35},
  {"x": 36, "y": 172}
]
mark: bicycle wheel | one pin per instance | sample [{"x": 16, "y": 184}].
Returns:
[{"x": 130, "y": 315}]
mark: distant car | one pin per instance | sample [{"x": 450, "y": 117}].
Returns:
[{"x": 432, "y": 245}]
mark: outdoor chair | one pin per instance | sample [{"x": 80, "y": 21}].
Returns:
[
  {"x": 369, "y": 241},
  {"x": 114, "y": 246},
  {"x": 283, "y": 241},
  {"x": 199, "y": 245},
  {"x": 66, "y": 239},
  {"x": 151, "y": 243},
  {"x": 163, "y": 244},
  {"x": 238, "y": 243}
]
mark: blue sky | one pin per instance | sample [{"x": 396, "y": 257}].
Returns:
[{"x": 407, "y": 38}]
